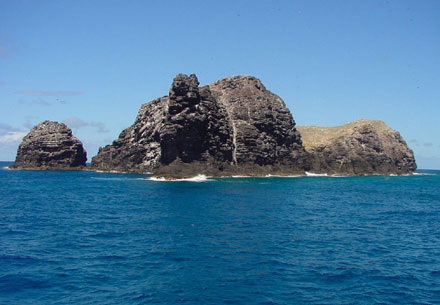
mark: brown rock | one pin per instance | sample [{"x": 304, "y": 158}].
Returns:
[{"x": 362, "y": 147}]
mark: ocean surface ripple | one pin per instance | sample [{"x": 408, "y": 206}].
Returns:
[{"x": 75, "y": 237}]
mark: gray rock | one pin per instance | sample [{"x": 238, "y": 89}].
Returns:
[
  {"x": 169, "y": 133},
  {"x": 362, "y": 147},
  {"x": 233, "y": 126},
  {"x": 264, "y": 134},
  {"x": 50, "y": 145}
]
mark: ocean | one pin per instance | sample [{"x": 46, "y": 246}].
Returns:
[{"x": 82, "y": 237}]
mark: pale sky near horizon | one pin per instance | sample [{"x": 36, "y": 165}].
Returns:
[{"x": 92, "y": 64}]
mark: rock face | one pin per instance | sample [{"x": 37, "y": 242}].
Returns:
[
  {"x": 263, "y": 129},
  {"x": 50, "y": 145},
  {"x": 233, "y": 126},
  {"x": 359, "y": 148}
]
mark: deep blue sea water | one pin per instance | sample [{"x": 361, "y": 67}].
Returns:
[{"x": 77, "y": 237}]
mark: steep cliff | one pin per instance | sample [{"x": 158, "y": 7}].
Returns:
[
  {"x": 50, "y": 145},
  {"x": 361, "y": 147},
  {"x": 263, "y": 128},
  {"x": 233, "y": 126}
]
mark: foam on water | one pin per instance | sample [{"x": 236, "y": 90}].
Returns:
[
  {"x": 281, "y": 176},
  {"x": 266, "y": 176},
  {"x": 309, "y": 174},
  {"x": 198, "y": 178},
  {"x": 112, "y": 172}
]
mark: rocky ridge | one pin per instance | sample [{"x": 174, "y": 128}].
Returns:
[
  {"x": 362, "y": 147},
  {"x": 50, "y": 145}
]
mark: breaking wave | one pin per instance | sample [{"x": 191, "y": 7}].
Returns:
[
  {"x": 308, "y": 174},
  {"x": 281, "y": 176},
  {"x": 198, "y": 178}
]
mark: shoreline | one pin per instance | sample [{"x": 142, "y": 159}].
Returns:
[{"x": 204, "y": 177}]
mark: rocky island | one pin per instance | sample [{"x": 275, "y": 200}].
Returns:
[
  {"x": 234, "y": 126},
  {"x": 50, "y": 145},
  {"x": 362, "y": 147}
]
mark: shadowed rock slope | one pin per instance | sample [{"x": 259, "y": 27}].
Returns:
[
  {"x": 361, "y": 147},
  {"x": 50, "y": 145},
  {"x": 231, "y": 127}
]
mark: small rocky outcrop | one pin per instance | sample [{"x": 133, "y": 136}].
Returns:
[
  {"x": 361, "y": 147},
  {"x": 50, "y": 145},
  {"x": 233, "y": 126}
]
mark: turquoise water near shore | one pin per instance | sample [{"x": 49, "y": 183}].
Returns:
[{"x": 79, "y": 237}]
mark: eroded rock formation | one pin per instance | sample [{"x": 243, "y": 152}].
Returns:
[
  {"x": 233, "y": 126},
  {"x": 361, "y": 147},
  {"x": 50, "y": 145}
]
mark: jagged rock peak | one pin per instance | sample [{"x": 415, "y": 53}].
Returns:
[
  {"x": 184, "y": 93},
  {"x": 185, "y": 87},
  {"x": 357, "y": 148},
  {"x": 50, "y": 145}
]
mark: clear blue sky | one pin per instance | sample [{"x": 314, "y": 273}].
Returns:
[{"x": 93, "y": 63}]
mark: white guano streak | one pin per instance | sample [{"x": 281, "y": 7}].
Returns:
[
  {"x": 234, "y": 132},
  {"x": 234, "y": 141}
]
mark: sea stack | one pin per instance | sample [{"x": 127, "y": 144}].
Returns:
[
  {"x": 234, "y": 126},
  {"x": 50, "y": 145},
  {"x": 362, "y": 147}
]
